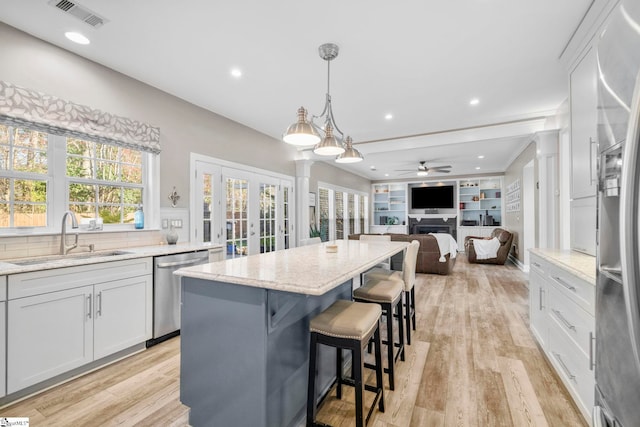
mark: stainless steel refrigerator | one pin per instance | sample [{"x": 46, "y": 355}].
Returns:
[{"x": 617, "y": 369}]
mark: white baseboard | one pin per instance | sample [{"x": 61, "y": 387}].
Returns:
[{"x": 515, "y": 261}]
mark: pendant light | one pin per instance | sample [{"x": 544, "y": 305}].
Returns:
[
  {"x": 350, "y": 155},
  {"x": 306, "y": 132}
]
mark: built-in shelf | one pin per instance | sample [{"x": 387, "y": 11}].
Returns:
[
  {"x": 389, "y": 204},
  {"x": 480, "y": 202},
  {"x": 479, "y": 205}
]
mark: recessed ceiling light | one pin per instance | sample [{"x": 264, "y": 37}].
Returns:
[
  {"x": 474, "y": 101},
  {"x": 386, "y": 174},
  {"x": 236, "y": 72},
  {"x": 481, "y": 156},
  {"x": 388, "y": 116},
  {"x": 477, "y": 167},
  {"x": 76, "y": 37},
  {"x": 372, "y": 167}
]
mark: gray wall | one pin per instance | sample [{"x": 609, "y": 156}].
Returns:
[
  {"x": 514, "y": 220},
  {"x": 184, "y": 128},
  {"x": 323, "y": 172}
]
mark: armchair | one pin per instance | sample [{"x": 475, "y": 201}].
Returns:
[{"x": 504, "y": 237}]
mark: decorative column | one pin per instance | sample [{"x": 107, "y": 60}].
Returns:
[
  {"x": 548, "y": 190},
  {"x": 303, "y": 172}
]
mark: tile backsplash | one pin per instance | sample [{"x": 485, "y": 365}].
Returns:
[{"x": 41, "y": 245}]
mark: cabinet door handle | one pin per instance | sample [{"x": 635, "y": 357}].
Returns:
[
  {"x": 89, "y": 305},
  {"x": 99, "y": 304},
  {"x": 564, "y": 367},
  {"x": 592, "y": 142},
  {"x": 565, "y": 284},
  {"x": 536, "y": 264},
  {"x": 592, "y": 348},
  {"x": 541, "y": 304},
  {"x": 563, "y": 320}
]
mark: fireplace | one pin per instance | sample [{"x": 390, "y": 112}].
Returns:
[
  {"x": 433, "y": 225},
  {"x": 426, "y": 229}
]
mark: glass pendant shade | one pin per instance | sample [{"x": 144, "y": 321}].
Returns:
[
  {"x": 301, "y": 133},
  {"x": 350, "y": 155},
  {"x": 329, "y": 146}
]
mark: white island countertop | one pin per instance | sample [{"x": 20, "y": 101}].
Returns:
[{"x": 309, "y": 270}]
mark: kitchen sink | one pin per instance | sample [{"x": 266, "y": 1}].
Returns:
[{"x": 48, "y": 259}]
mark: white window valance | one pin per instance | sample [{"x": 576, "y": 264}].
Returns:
[{"x": 46, "y": 113}]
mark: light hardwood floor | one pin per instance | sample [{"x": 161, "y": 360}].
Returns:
[{"x": 472, "y": 362}]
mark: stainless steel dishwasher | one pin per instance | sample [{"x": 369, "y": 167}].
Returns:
[{"x": 166, "y": 292}]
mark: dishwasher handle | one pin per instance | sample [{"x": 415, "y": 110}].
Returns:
[{"x": 181, "y": 263}]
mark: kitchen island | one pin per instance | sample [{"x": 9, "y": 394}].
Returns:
[{"x": 245, "y": 330}]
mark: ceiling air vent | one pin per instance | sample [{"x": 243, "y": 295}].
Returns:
[{"x": 79, "y": 12}]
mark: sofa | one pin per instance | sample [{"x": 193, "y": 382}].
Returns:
[
  {"x": 504, "y": 237},
  {"x": 428, "y": 254}
]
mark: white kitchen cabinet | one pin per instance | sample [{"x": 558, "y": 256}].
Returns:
[
  {"x": 562, "y": 319},
  {"x": 583, "y": 225},
  {"x": 123, "y": 316},
  {"x": 48, "y": 335},
  {"x": 584, "y": 119},
  {"x": 65, "y": 318}
]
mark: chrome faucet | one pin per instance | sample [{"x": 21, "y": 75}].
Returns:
[{"x": 64, "y": 248}]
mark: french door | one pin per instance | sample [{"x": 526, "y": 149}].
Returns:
[{"x": 247, "y": 212}]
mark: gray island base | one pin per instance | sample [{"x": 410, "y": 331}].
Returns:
[{"x": 245, "y": 331}]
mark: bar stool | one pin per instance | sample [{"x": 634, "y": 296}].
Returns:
[
  {"x": 408, "y": 279},
  {"x": 376, "y": 238},
  {"x": 388, "y": 294},
  {"x": 347, "y": 325}
]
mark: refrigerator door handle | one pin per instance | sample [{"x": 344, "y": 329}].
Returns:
[
  {"x": 630, "y": 257},
  {"x": 592, "y": 177}
]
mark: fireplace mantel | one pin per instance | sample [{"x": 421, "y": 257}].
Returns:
[{"x": 444, "y": 217}]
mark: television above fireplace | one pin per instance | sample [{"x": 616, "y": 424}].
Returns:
[{"x": 441, "y": 197}]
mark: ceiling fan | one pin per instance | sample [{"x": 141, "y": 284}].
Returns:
[{"x": 423, "y": 170}]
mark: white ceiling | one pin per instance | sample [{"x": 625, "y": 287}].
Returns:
[{"x": 420, "y": 60}]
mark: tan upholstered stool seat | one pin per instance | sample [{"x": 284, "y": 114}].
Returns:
[
  {"x": 347, "y": 319},
  {"x": 379, "y": 291}
]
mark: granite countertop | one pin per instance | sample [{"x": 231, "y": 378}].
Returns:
[
  {"x": 83, "y": 258},
  {"x": 309, "y": 270},
  {"x": 578, "y": 264}
]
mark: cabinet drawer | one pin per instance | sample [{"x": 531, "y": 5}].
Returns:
[
  {"x": 579, "y": 291},
  {"x": 539, "y": 265},
  {"x": 573, "y": 367},
  {"x": 572, "y": 319},
  {"x": 43, "y": 281}
]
